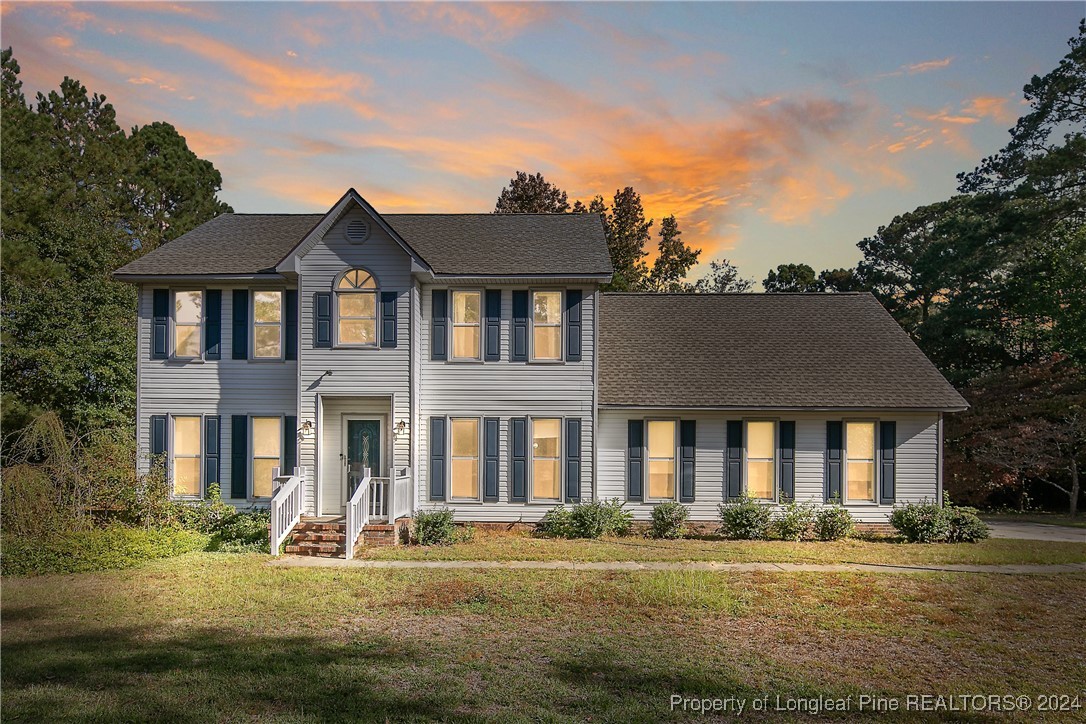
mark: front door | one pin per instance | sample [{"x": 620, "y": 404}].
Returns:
[{"x": 363, "y": 451}]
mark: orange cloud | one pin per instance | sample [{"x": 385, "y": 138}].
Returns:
[
  {"x": 928, "y": 65},
  {"x": 206, "y": 144},
  {"x": 799, "y": 197},
  {"x": 992, "y": 107},
  {"x": 272, "y": 84}
]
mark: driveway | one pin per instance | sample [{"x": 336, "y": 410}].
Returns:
[{"x": 1036, "y": 531}]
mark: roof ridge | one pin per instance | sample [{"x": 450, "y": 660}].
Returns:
[{"x": 734, "y": 294}]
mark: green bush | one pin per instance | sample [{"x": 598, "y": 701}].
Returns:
[
  {"x": 557, "y": 523},
  {"x": 206, "y": 516},
  {"x": 669, "y": 520},
  {"x": 744, "y": 520},
  {"x": 794, "y": 521},
  {"x": 833, "y": 523},
  {"x": 242, "y": 532},
  {"x": 963, "y": 525},
  {"x": 97, "y": 549},
  {"x": 435, "y": 527},
  {"x": 598, "y": 518},
  {"x": 923, "y": 522}
]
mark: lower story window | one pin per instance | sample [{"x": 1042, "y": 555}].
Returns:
[
  {"x": 761, "y": 459},
  {"x": 186, "y": 456},
  {"x": 546, "y": 471},
  {"x": 267, "y": 450},
  {"x": 465, "y": 458},
  {"x": 860, "y": 449},
  {"x": 661, "y": 459}
]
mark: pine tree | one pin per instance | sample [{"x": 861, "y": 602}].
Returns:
[
  {"x": 531, "y": 194},
  {"x": 673, "y": 261}
]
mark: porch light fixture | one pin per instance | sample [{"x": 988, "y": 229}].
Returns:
[
  {"x": 401, "y": 426},
  {"x": 307, "y": 429}
]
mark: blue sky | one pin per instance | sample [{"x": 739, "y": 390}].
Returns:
[{"x": 776, "y": 132}]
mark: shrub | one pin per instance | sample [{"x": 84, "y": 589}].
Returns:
[
  {"x": 245, "y": 532},
  {"x": 669, "y": 520},
  {"x": 833, "y": 523},
  {"x": 206, "y": 516},
  {"x": 744, "y": 520},
  {"x": 557, "y": 523},
  {"x": 435, "y": 527},
  {"x": 923, "y": 522},
  {"x": 794, "y": 521},
  {"x": 97, "y": 549},
  {"x": 963, "y": 525},
  {"x": 598, "y": 518}
]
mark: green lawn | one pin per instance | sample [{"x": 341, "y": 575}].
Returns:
[
  {"x": 218, "y": 637},
  {"x": 1079, "y": 521},
  {"x": 511, "y": 546}
]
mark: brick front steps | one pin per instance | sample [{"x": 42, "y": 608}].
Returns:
[{"x": 328, "y": 538}]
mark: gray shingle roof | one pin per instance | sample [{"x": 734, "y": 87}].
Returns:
[
  {"x": 762, "y": 350},
  {"x": 483, "y": 244}
]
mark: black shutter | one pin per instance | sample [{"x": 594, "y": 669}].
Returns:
[
  {"x": 518, "y": 446},
  {"x": 573, "y": 325},
  {"x": 520, "y": 326},
  {"x": 291, "y": 300},
  {"x": 733, "y": 462},
  {"x": 490, "y": 458},
  {"x": 573, "y": 459},
  {"x": 212, "y": 448},
  {"x": 493, "y": 325},
  {"x": 833, "y": 459},
  {"x": 437, "y": 458},
  {"x": 635, "y": 460},
  {"x": 322, "y": 330},
  {"x": 160, "y": 324},
  {"x": 388, "y": 319},
  {"x": 213, "y": 325},
  {"x": 239, "y": 456},
  {"x": 159, "y": 443},
  {"x": 439, "y": 325},
  {"x": 290, "y": 444},
  {"x": 688, "y": 445},
  {"x": 787, "y": 457},
  {"x": 240, "y": 338},
  {"x": 888, "y": 458}
]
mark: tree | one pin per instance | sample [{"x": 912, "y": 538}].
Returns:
[
  {"x": 627, "y": 233},
  {"x": 76, "y": 206},
  {"x": 792, "y": 278},
  {"x": 723, "y": 277},
  {"x": 673, "y": 261},
  {"x": 842, "y": 280},
  {"x": 531, "y": 194},
  {"x": 1025, "y": 425}
]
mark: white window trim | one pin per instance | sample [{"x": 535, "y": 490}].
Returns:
[
  {"x": 282, "y": 325},
  {"x": 479, "y": 458},
  {"x": 531, "y": 461},
  {"x": 173, "y": 325},
  {"x": 252, "y": 456},
  {"x": 874, "y": 500},
  {"x": 453, "y": 324},
  {"x": 674, "y": 465},
  {"x": 172, "y": 454},
  {"x": 561, "y": 327},
  {"x": 775, "y": 499},
  {"x": 376, "y": 292}
]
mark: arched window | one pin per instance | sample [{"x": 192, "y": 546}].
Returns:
[{"x": 356, "y": 309}]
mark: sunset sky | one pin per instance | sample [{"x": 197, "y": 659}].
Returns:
[{"x": 776, "y": 132}]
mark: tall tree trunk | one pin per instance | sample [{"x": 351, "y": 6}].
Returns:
[{"x": 1075, "y": 491}]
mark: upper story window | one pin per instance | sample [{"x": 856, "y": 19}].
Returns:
[
  {"x": 188, "y": 318},
  {"x": 761, "y": 459},
  {"x": 860, "y": 454},
  {"x": 267, "y": 325},
  {"x": 467, "y": 325},
  {"x": 547, "y": 326},
  {"x": 356, "y": 309}
]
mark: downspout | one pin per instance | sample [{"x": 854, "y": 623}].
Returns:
[
  {"x": 595, "y": 385},
  {"x": 939, "y": 461}
]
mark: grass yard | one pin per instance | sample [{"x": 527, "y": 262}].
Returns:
[
  {"x": 216, "y": 637},
  {"x": 517, "y": 546}
]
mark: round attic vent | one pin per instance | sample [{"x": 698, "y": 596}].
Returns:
[{"x": 357, "y": 231}]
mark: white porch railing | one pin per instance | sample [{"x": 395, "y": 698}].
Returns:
[
  {"x": 358, "y": 512},
  {"x": 287, "y": 504},
  {"x": 401, "y": 497},
  {"x": 379, "y": 498}
]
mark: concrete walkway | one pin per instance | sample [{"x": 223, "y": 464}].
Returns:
[
  {"x": 1035, "y": 531},
  {"x": 1015, "y": 569}
]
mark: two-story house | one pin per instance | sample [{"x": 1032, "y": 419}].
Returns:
[{"x": 470, "y": 361}]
